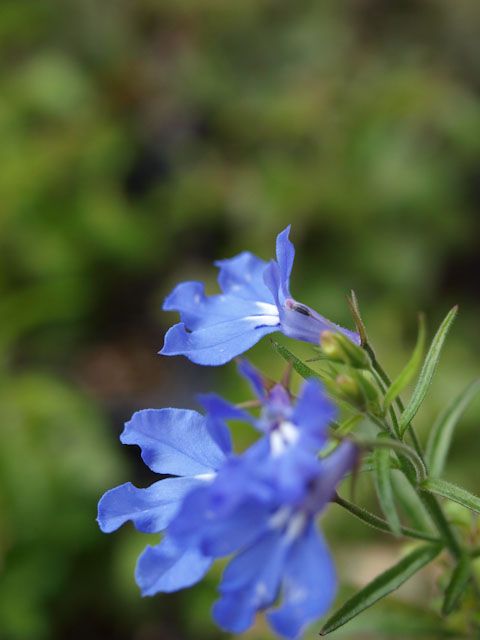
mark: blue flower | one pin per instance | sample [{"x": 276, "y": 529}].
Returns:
[
  {"x": 286, "y": 559},
  {"x": 180, "y": 443},
  {"x": 259, "y": 506},
  {"x": 254, "y": 302}
]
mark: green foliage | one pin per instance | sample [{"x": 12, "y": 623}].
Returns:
[
  {"x": 427, "y": 371},
  {"x": 410, "y": 369},
  {"x": 381, "y": 586},
  {"x": 54, "y": 459},
  {"x": 452, "y": 492},
  {"x": 440, "y": 437},
  {"x": 457, "y": 586},
  {"x": 383, "y": 483}
]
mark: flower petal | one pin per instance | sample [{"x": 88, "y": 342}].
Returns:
[
  {"x": 198, "y": 310},
  {"x": 314, "y": 411},
  {"x": 150, "y": 509},
  {"x": 242, "y": 276},
  {"x": 254, "y": 377},
  {"x": 309, "y": 585},
  {"x": 218, "y": 529},
  {"x": 218, "y": 344},
  {"x": 285, "y": 258},
  {"x": 250, "y": 583},
  {"x": 332, "y": 470},
  {"x": 166, "y": 568},
  {"x": 174, "y": 441},
  {"x": 218, "y": 410}
]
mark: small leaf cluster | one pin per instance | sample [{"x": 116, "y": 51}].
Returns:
[{"x": 354, "y": 377}]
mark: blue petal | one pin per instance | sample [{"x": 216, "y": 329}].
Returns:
[
  {"x": 174, "y": 441},
  {"x": 218, "y": 344},
  {"x": 271, "y": 277},
  {"x": 254, "y": 377},
  {"x": 166, "y": 568},
  {"x": 250, "y": 583},
  {"x": 290, "y": 474},
  {"x": 198, "y": 310},
  {"x": 285, "y": 258},
  {"x": 242, "y": 276},
  {"x": 218, "y": 529},
  {"x": 314, "y": 411},
  {"x": 332, "y": 470},
  {"x": 150, "y": 510},
  {"x": 309, "y": 585},
  {"x": 189, "y": 299}
]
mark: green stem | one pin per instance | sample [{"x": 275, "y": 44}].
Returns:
[
  {"x": 398, "y": 447},
  {"x": 378, "y": 523}
]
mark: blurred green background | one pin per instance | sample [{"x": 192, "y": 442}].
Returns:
[{"x": 141, "y": 140}]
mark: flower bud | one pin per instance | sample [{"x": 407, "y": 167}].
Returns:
[
  {"x": 348, "y": 388},
  {"x": 339, "y": 348}
]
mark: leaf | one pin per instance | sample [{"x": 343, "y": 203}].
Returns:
[
  {"x": 441, "y": 434},
  {"x": 306, "y": 372},
  {"x": 452, "y": 492},
  {"x": 349, "y": 424},
  {"x": 374, "y": 521},
  {"x": 427, "y": 371},
  {"x": 457, "y": 585},
  {"x": 383, "y": 484},
  {"x": 410, "y": 503},
  {"x": 381, "y": 586},
  {"x": 300, "y": 367},
  {"x": 410, "y": 369}
]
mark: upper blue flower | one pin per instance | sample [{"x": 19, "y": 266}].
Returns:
[{"x": 254, "y": 302}]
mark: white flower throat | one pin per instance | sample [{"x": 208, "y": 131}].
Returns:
[{"x": 283, "y": 435}]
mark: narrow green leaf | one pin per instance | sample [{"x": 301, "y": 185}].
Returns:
[
  {"x": 457, "y": 585},
  {"x": 300, "y": 367},
  {"x": 410, "y": 503},
  {"x": 349, "y": 424},
  {"x": 381, "y": 586},
  {"x": 452, "y": 492},
  {"x": 428, "y": 369},
  {"x": 306, "y": 372},
  {"x": 441, "y": 434},
  {"x": 383, "y": 484},
  {"x": 378, "y": 523},
  {"x": 410, "y": 369}
]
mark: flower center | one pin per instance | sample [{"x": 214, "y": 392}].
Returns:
[{"x": 283, "y": 435}]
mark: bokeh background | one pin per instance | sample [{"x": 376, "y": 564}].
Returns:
[{"x": 141, "y": 140}]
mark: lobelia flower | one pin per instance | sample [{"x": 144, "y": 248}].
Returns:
[
  {"x": 260, "y": 505},
  {"x": 254, "y": 302},
  {"x": 280, "y": 554},
  {"x": 288, "y": 558}
]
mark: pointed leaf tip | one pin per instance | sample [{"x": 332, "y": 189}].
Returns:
[
  {"x": 411, "y": 368},
  {"x": 442, "y": 431},
  {"x": 427, "y": 372}
]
